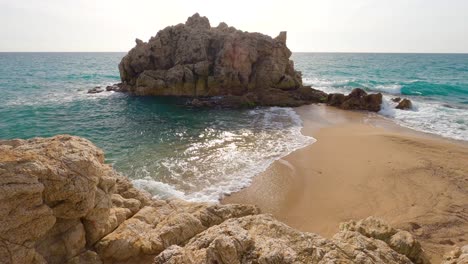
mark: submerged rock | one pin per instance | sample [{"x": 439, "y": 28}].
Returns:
[
  {"x": 197, "y": 60},
  {"x": 396, "y": 99},
  {"x": 95, "y": 90},
  {"x": 358, "y": 99},
  {"x": 404, "y": 104},
  {"x": 60, "y": 203}
]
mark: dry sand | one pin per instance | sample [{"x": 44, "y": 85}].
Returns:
[{"x": 363, "y": 165}]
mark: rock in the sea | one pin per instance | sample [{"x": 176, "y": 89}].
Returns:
[
  {"x": 358, "y": 99},
  {"x": 396, "y": 99},
  {"x": 405, "y": 104},
  {"x": 60, "y": 203},
  {"x": 95, "y": 90},
  {"x": 197, "y": 60}
]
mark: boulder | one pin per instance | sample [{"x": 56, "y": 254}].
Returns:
[
  {"x": 358, "y": 99},
  {"x": 50, "y": 189},
  {"x": 400, "y": 241},
  {"x": 404, "y": 104},
  {"x": 396, "y": 99},
  {"x": 197, "y": 60},
  {"x": 457, "y": 256},
  {"x": 262, "y": 239},
  {"x": 164, "y": 223}
]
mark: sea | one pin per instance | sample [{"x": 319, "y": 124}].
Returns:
[{"x": 173, "y": 150}]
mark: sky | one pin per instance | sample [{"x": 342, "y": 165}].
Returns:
[{"x": 312, "y": 25}]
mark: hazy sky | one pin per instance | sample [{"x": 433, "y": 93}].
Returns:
[{"x": 312, "y": 25}]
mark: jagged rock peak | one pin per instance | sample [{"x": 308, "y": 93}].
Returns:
[
  {"x": 197, "y": 21},
  {"x": 200, "y": 61},
  {"x": 282, "y": 37}
]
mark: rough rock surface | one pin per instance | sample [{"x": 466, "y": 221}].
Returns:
[
  {"x": 358, "y": 99},
  {"x": 261, "y": 239},
  {"x": 457, "y": 256},
  {"x": 55, "y": 198},
  {"x": 60, "y": 203},
  {"x": 197, "y": 60}
]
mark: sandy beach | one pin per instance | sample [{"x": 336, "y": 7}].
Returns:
[{"x": 364, "y": 165}]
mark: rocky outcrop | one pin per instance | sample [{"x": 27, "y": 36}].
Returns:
[
  {"x": 60, "y": 203},
  {"x": 457, "y": 256},
  {"x": 400, "y": 241},
  {"x": 55, "y": 199},
  {"x": 261, "y": 239},
  {"x": 197, "y": 60},
  {"x": 358, "y": 99},
  {"x": 404, "y": 104}
]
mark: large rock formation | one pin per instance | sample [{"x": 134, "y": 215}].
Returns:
[
  {"x": 60, "y": 203},
  {"x": 197, "y": 60}
]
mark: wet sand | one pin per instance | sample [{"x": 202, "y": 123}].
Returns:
[{"x": 363, "y": 165}]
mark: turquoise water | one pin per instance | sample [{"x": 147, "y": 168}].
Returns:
[
  {"x": 436, "y": 83},
  {"x": 174, "y": 150},
  {"x": 166, "y": 147}
]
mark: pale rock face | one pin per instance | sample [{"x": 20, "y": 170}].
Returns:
[
  {"x": 50, "y": 190},
  {"x": 60, "y": 203},
  {"x": 65, "y": 240},
  {"x": 262, "y": 239},
  {"x": 457, "y": 256},
  {"x": 161, "y": 225},
  {"x": 400, "y": 241},
  {"x": 197, "y": 60}
]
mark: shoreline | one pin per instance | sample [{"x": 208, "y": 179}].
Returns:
[{"x": 363, "y": 165}]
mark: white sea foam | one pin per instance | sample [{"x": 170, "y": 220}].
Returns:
[
  {"x": 429, "y": 117},
  {"x": 328, "y": 86},
  {"x": 222, "y": 162},
  {"x": 426, "y": 116},
  {"x": 57, "y": 97},
  {"x": 159, "y": 189},
  {"x": 389, "y": 89}
]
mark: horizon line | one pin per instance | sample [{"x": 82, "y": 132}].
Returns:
[{"x": 344, "y": 52}]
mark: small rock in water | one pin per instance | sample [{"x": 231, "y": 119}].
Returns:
[
  {"x": 95, "y": 90},
  {"x": 111, "y": 88},
  {"x": 396, "y": 99},
  {"x": 405, "y": 104},
  {"x": 116, "y": 88}
]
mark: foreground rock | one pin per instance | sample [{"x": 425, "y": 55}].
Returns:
[
  {"x": 457, "y": 256},
  {"x": 197, "y": 60},
  {"x": 261, "y": 239},
  {"x": 59, "y": 203},
  {"x": 358, "y": 99}
]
